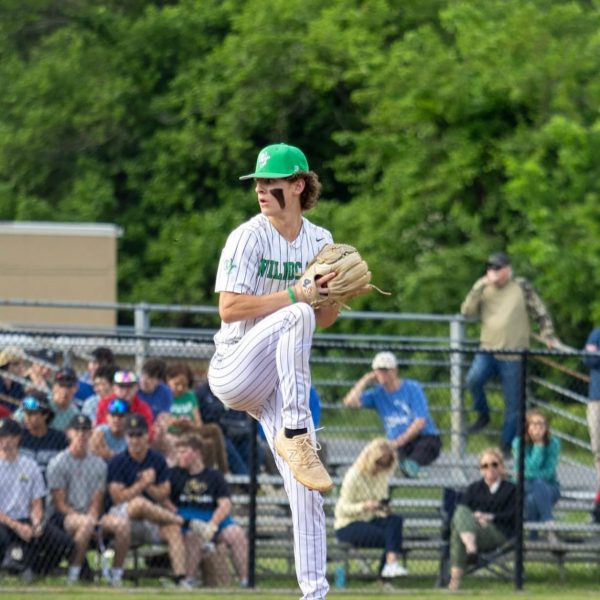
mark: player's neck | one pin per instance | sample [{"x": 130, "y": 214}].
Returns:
[{"x": 288, "y": 224}]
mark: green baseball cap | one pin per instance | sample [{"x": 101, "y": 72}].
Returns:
[{"x": 278, "y": 161}]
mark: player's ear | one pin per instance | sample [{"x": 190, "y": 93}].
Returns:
[{"x": 299, "y": 185}]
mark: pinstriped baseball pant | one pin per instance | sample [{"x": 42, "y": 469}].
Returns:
[{"x": 267, "y": 374}]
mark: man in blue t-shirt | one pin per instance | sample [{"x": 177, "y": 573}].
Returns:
[{"x": 402, "y": 406}]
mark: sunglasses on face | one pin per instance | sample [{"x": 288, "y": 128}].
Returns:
[{"x": 494, "y": 464}]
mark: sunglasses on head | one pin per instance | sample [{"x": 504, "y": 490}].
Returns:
[
  {"x": 31, "y": 404},
  {"x": 493, "y": 464}
]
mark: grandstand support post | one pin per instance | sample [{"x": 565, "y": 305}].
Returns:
[
  {"x": 457, "y": 435},
  {"x": 520, "y": 468},
  {"x": 141, "y": 321}
]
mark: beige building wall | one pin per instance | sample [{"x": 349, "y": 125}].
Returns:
[{"x": 75, "y": 262}]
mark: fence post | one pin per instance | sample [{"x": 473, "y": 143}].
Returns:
[
  {"x": 457, "y": 438},
  {"x": 141, "y": 320},
  {"x": 520, "y": 468}
]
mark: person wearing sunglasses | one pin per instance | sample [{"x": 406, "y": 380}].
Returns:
[
  {"x": 484, "y": 518},
  {"x": 362, "y": 513},
  {"x": 40, "y": 441},
  {"x": 504, "y": 305},
  {"x": 108, "y": 438},
  {"x": 542, "y": 450}
]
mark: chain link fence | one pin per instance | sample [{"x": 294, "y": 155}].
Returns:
[{"x": 130, "y": 523}]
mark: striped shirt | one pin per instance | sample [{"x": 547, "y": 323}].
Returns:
[{"x": 257, "y": 260}]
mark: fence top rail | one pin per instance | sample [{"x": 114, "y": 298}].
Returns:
[{"x": 208, "y": 309}]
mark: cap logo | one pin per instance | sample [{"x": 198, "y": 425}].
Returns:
[{"x": 263, "y": 158}]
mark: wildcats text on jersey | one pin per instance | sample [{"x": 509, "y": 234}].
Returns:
[{"x": 271, "y": 269}]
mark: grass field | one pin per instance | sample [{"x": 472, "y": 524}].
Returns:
[{"x": 88, "y": 594}]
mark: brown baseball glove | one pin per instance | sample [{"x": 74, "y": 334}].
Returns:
[{"x": 352, "y": 278}]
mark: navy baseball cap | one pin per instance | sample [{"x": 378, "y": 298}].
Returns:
[
  {"x": 66, "y": 377},
  {"x": 80, "y": 423},
  {"x": 135, "y": 423},
  {"x": 498, "y": 260}
]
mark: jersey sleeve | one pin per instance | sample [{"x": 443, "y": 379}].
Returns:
[{"x": 239, "y": 263}]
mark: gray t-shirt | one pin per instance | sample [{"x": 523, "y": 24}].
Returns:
[
  {"x": 21, "y": 482},
  {"x": 79, "y": 478}
]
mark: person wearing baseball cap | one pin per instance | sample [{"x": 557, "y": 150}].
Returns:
[
  {"x": 504, "y": 304},
  {"x": 77, "y": 480},
  {"x": 108, "y": 438},
  {"x": 63, "y": 395},
  {"x": 403, "y": 408},
  {"x": 138, "y": 486},
  {"x": 125, "y": 387},
  {"x": 40, "y": 440},
  {"x": 265, "y": 318}
]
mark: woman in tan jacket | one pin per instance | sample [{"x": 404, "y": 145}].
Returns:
[{"x": 362, "y": 513}]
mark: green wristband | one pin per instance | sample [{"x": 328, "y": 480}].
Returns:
[{"x": 292, "y": 296}]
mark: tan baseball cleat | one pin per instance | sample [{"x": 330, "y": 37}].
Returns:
[{"x": 300, "y": 454}]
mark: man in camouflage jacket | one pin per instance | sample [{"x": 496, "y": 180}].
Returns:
[{"x": 504, "y": 306}]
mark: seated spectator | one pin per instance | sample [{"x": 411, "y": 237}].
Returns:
[
  {"x": 362, "y": 512},
  {"x": 12, "y": 368},
  {"x": 77, "y": 482},
  {"x": 103, "y": 384},
  {"x": 61, "y": 403},
  {"x": 484, "y": 518},
  {"x": 542, "y": 449},
  {"x": 592, "y": 361},
  {"x": 63, "y": 394},
  {"x": 108, "y": 439},
  {"x": 201, "y": 493},
  {"x": 235, "y": 426},
  {"x": 402, "y": 406},
  {"x": 41, "y": 370},
  {"x": 100, "y": 357},
  {"x": 125, "y": 387},
  {"x": 138, "y": 486},
  {"x": 153, "y": 389},
  {"x": 22, "y": 509},
  {"x": 39, "y": 441},
  {"x": 185, "y": 417}
]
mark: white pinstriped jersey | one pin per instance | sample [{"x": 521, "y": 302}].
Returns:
[{"x": 257, "y": 260}]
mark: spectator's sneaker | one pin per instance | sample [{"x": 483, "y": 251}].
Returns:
[
  {"x": 410, "y": 468},
  {"x": 301, "y": 456},
  {"x": 481, "y": 423},
  {"x": 394, "y": 569},
  {"x": 27, "y": 576}
]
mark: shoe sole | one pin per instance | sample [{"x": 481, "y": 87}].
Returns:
[{"x": 306, "y": 484}]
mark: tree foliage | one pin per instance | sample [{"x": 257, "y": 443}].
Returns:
[{"x": 442, "y": 130}]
